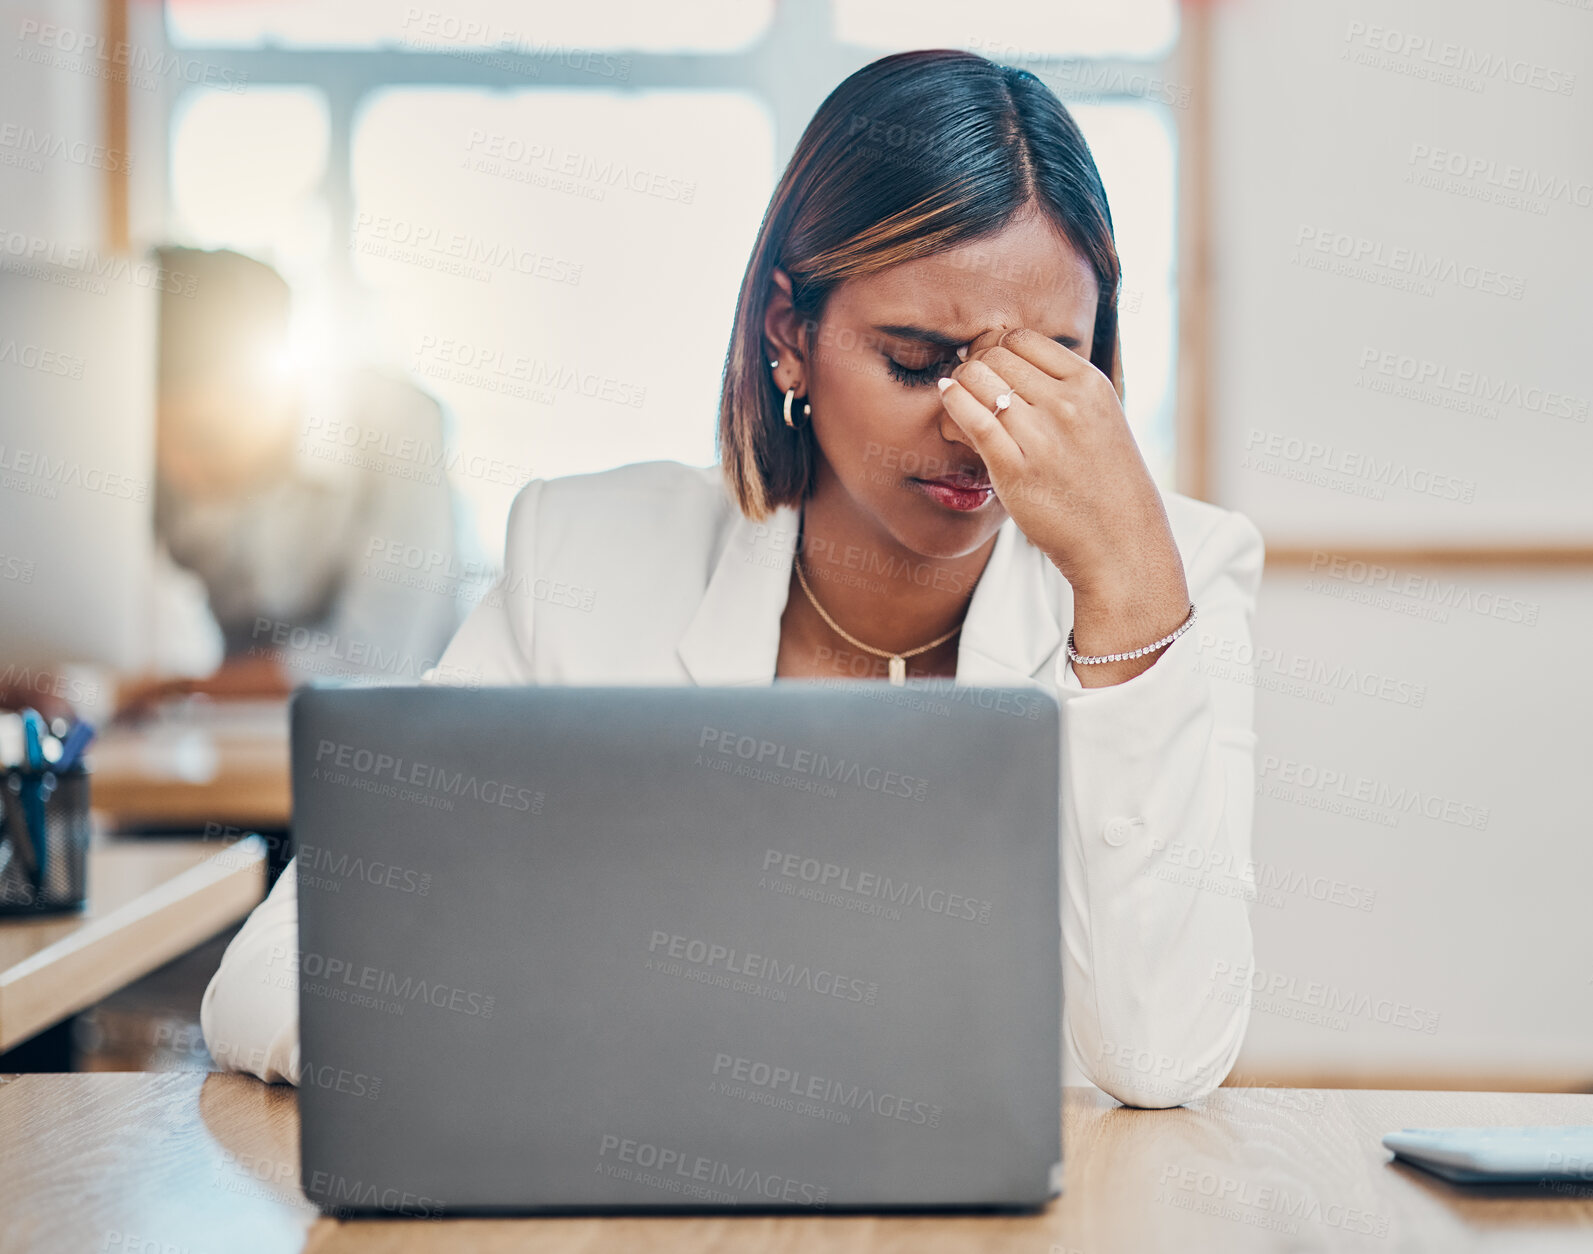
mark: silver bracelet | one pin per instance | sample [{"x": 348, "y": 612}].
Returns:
[{"x": 1123, "y": 657}]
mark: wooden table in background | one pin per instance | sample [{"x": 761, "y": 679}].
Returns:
[
  {"x": 205, "y": 1164},
  {"x": 222, "y": 762},
  {"x": 149, "y": 902}
]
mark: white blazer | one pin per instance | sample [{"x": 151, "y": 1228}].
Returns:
[{"x": 649, "y": 573}]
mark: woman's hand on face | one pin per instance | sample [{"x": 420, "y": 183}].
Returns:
[{"x": 1063, "y": 461}]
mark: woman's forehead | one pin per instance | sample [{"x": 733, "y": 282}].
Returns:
[
  {"x": 1028, "y": 275},
  {"x": 962, "y": 308}
]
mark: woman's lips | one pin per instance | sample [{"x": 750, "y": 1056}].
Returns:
[{"x": 959, "y": 492}]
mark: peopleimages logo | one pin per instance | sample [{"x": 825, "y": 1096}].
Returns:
[
  {"x": 1336, "y": 675},
  {"x": 587, "y": 167},
  {"x": 348, "y": 1195},
  {"x": 1421, "y": 268},
  {"x": 1375, "y": 792},
  {"x": 477, "y": 40},
  {"x": 1474, "y": 384},
  {"x": 91, "y": 53},
  {"x": 1275, "y": 452},
  {"x": 339, "y": 1079},
  {"x": 1261, "y": 877},
  {"x": 339, "y": 972},
  {"x": 48, "y": 683},
  {"x": 1461, "y": 65},
  {"x": 35, "y": 250},
  {"x": 455, "y": 252},
  {"x": 700, "y": 1171},
  {"x": 33, "y": 148},
  {"x": 433, "y": 779},
  {"x": 342, "y": 866},
  {"x": 785, "y": 1081},
  {"x": 811, "y": 762},
  {"x": 35, "y": 474},
  {"x": 1267, "y": 1206},
  {"x": 1505, "y": 183},
  {"x": 733, "y": 961},
  {"x": 1422, "y": 587},
  {"x": 44, "y": 360},
  {"x": 1280, "y": 988},
  {"x": 873, "y": 884}
]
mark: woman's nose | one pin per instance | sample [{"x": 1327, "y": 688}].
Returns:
[{"x": 988, "y": 338}]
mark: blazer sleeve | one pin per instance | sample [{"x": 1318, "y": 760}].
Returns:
[
  {"x": 249, "y": 1013},
  {"x": 1158, "y": 777}
]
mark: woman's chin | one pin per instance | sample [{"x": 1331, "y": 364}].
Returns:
[{"x": 934, "y": 529}]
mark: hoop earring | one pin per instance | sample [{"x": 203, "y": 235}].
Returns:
[{"x": 807, "y": 409}]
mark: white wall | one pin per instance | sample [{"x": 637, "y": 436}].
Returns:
[
  {"x": 1326, "y": 117},
  {"x": 42, "y": 95}
]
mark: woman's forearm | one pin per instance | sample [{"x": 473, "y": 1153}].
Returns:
[
  {"x": 250, "y": 1011},
  {"x": 1158, "y": 775}
]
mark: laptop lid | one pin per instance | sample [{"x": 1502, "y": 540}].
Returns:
[{"x": 607, "y": 948}]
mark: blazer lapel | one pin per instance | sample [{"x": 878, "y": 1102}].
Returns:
[
  {"x": 734, "y": 637},
  {"x": 1011, "y": 630}
]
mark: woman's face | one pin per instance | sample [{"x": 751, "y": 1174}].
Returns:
[{"x": 882, "y": 343}]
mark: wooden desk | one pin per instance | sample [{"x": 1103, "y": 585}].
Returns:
[
  {"x": 149, "y": 902},
  {"x": 181, "y": 1161},
  {"x": 224, "y": 764}
]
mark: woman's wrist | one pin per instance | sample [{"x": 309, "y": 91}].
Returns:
[{"x": 1122, "y": 620}]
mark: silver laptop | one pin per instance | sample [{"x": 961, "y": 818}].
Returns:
[{"x": 599, "y": 949}]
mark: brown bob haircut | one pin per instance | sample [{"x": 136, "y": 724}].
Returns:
[{"x": 914, "y": 154}]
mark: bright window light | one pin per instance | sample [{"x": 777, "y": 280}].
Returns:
[
  {"x": 541, "y": 27},
  {"x": 1134, "y": 149},
  {"x": 246, "y": 170},
  {"x": 561, "y": 268},
  {"x": 1013, "y": 32}
]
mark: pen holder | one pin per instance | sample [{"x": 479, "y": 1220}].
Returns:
[{"x": 30, "y": 884}]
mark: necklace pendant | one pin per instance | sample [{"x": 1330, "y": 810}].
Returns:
[{"x": 899, "y": 671}]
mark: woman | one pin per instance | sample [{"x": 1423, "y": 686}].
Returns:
[{"x": 926, "y": 471}]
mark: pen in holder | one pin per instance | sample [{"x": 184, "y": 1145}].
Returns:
[{"x": 44, "y": 837}]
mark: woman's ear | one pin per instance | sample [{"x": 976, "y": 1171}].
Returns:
[{"x": 782, "y": 326}]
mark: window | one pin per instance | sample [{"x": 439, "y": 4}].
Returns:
[
  {"x": 1134, "y": 147},
  {"x": 1012, "y": 33},
  {"x": 561, "y": 267},
  {"x": 542, "y": 213},
  {"x": 246, "y": 170},
  {"x": 513, "y": 25}
]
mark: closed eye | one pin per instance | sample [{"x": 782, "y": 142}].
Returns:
[{"x": 922, "y": 377}]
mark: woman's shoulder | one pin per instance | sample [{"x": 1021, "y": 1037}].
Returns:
[
  {"x": 641, "y": 506},
  {"x": 691, "y": 484}
]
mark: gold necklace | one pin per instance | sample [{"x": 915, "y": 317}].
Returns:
[{"x": 898, "y": 661}]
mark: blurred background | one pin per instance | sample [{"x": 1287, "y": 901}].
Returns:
[{"x": 295, "y": 296}]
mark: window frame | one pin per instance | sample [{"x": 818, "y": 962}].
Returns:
[{"x": 348, "y": 76}]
